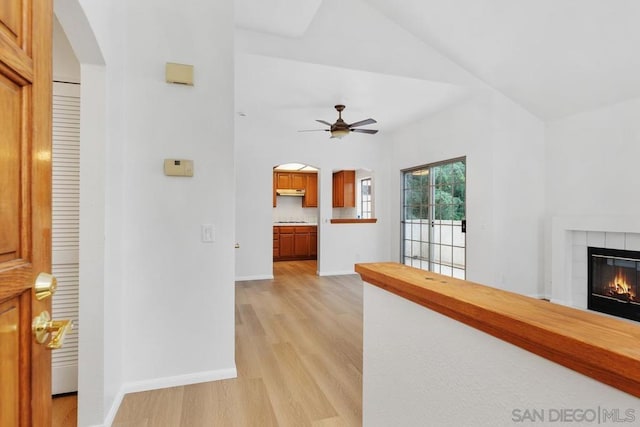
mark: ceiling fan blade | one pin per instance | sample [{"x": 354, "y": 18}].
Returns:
[
  {"x": 314, "y": 130},
  {"x": 324, "y": 123},
  {"x": 362, "y": 123},
  {"x": 370, "y": 131}
]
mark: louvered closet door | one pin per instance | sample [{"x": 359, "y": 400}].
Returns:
[{"x": 66, "y": 204}]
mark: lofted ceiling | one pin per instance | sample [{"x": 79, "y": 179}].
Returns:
[
  {"x": 284, "y": 17},
  {"x": 304, "y": 92},
  {"x": 553, "y": 57}
]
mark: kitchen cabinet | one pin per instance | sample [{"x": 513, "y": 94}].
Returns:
[
  {"x": 286, "y": 245},
  {"x": 344, "y": 189},
  {"x": 290, "y": 180},
  {"x": 313, "y": 243},
  {"x": 276, "y": 242},
  {"x": 297, "y": 181},
  {"x": 274, "y": 190},
  {"x": 310, "y": 199},
  {"x": 292, "y": 243},
  {"x": 301, "y": 244}
]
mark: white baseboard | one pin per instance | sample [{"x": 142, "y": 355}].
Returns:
[
  {"x": 64, "y": 379},
  {"x": 158, "y": 383},
  {"x": 335, "y": 273},
  {"x": 258, "y": 277},
  {"x": 113, "y": 411}
]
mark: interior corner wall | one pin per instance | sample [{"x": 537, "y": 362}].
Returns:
[
  {"x": 147, "y": 275},
  {"x": 591, "y": 160},
  {"x": 99, "y": 357},
  {"x": 173, "y": 283},
  {"x": 66, "y": 67},
  {"x": 504, "y": 149}
]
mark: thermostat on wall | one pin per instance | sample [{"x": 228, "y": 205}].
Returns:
[{"x": 178, "y": 167}]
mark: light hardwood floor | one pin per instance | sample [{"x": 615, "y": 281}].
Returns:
[
  {"x": 65, "y": 411},
  {"x": 298, "y": 355}
]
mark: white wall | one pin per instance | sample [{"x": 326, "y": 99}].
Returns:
[
  {"x": 99, "y": 349},
  {"x": 174, "y": 283},
  {"x": 422, "y": 368},
  {"x": 592, "y": 161},
  {"x": 260, "y": 146},
  {"x": 591, "y": 166},
  {"x": 66, "y": 67},
  {"x": 147, "y": 276},
  {"x": 290, "y": 208},
  {"x": 504, "y": 148},
  {"x": 358, "y": 27}
]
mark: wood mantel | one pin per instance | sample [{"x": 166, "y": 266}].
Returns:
[{"x": 603, "y": 348}]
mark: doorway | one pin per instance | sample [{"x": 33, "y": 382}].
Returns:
[
  {"x": 65, "y": 230},
  {"x": 434, "y": 217},
  {"x": 295, "y": 213}
]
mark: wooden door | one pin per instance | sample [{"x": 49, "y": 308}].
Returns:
[
  {"x": 338, "y": 189},
  {"x": 310, "y": 199},
  {"x": 313, "y": 244},
  {"x": 25, "y": 207},
  {"x": 301, "y": 244},
  {"x": 283, "y": 180},
  {"x": 298, "y": 181},
  {"x": 286, "y": 244}
]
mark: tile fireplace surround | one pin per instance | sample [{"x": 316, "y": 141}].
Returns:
[{"x": 570, "y": 237}]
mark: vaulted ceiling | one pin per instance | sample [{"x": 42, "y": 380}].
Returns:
[{"x": 553, "y": 57}]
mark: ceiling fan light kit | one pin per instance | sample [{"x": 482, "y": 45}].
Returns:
[{"x": 341, "y": 128}]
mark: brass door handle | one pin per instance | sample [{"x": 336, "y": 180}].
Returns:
[
  {"x": 42, "y": 326},
  {"x": 45, "y": 286}
]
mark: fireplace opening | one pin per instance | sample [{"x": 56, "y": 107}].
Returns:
[{"x": 614, "y": 279}]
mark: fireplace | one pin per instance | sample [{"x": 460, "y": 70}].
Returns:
[{"x": 614, "y": 281}]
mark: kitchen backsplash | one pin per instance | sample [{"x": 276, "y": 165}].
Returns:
[{"x": 290, "y": 209}]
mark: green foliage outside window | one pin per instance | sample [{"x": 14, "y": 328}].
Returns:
[{"x": 448, "y": 189}]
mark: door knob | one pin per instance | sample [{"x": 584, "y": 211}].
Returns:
[
  {"x": 42, "y": 326},
  {"x": 45, "y": 286}
]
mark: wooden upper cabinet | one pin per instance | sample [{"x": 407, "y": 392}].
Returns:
[
  {"x": 290, "y": 180},
  {"x": 310, "y": 199},
  {"x": 344, "y": 189},
  {"x": 298, "y": 180},
  {"x": 283, "y": 180}
]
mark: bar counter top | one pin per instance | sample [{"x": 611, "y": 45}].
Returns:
[{"x": 601, "y": 347}]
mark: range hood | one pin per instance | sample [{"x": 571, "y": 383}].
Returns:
[{"x": 289, "y": 192}]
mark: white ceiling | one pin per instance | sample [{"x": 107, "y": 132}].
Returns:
[
  {"x": 554, "y": 57},
  {"x": 294, "y": 94},
  {"x": 284, "y": 17}
]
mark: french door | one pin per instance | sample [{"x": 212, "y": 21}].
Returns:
[{"x": 434, "y": 217}]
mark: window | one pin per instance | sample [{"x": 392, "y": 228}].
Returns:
[
  {"x": 433, "y": 218},
  {"x": 365, "y": 198}
]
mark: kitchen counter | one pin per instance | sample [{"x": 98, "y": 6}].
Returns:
[{"x": 295, "y": 241}]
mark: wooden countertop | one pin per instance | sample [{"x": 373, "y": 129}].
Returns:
[{"x": 603, "y": 348}]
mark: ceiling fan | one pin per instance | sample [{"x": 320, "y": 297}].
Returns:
[{"x": 341, "y": 128}]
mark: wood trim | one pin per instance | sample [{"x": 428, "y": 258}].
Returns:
[
  {"x": 603, "y": 348},
  {"x": 353, "y": 221},
  {"x": 16, "y": 60},
  {"x": 41, "y": 104}
]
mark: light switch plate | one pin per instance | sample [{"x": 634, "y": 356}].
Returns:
[
  {"x": 207, "y": 233},
  {"x": 178, "y": 167}
]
